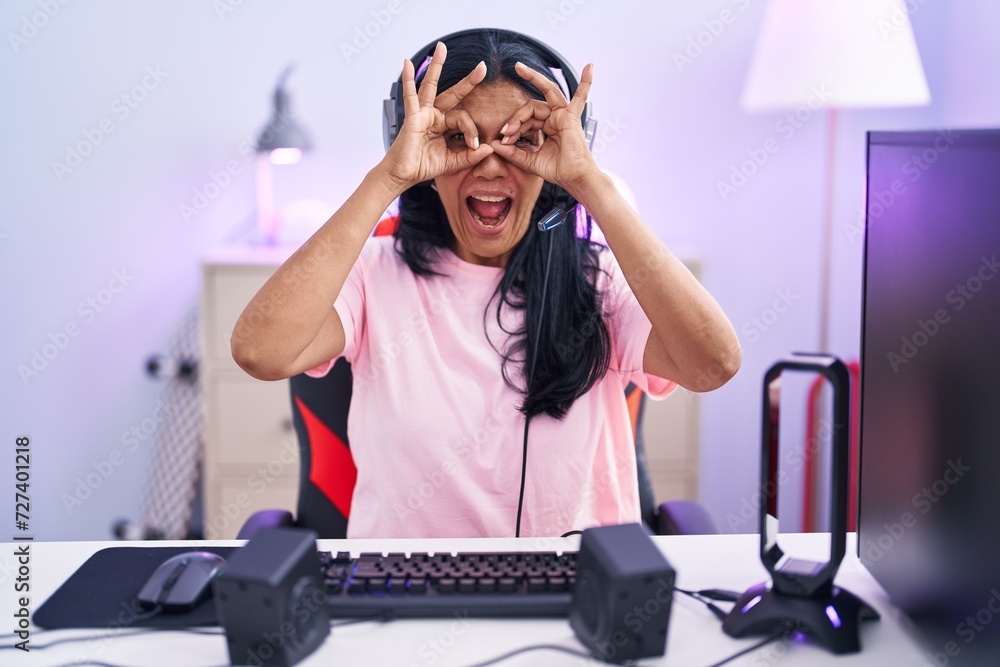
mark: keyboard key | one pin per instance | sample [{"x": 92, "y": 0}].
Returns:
[
  {"x": 507, "y": 585},
  {"x": 418, "y": 586},
  {"x": 536, "y": 584},
  {"x": 447, "y": 585},
  {"x": 466, "y": 585}
]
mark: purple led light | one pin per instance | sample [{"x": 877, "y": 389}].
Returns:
[
  {"x": 831, "y": 613},
  {"x": 423, "y": 68},
  {"x": 750, "y": 604}
]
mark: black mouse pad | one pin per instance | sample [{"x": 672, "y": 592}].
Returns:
[{"x": 101, "y": 593}]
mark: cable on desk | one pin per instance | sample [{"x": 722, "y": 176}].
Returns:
[
  {"x": 105, "y": 635},
  {"x": 706, "y": 596},
  {"x": 534, "y": 647},
  {"x": 718, "y": 594},
  {"x": 141, "y": 631},
  {"x": 384, "y": 616},
  {"x": 712, "y": 607},
  {"x": 764, "y": 642}
]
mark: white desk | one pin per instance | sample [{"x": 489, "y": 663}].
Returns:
[{"x": 695, "y": 637}]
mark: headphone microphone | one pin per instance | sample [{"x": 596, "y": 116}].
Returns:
[{"x": 552, "y": 219}]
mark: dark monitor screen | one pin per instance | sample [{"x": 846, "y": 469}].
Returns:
[{"x": 929, "y": 510}]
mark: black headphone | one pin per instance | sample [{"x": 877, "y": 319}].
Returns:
[{"x": 392, "y": 108}]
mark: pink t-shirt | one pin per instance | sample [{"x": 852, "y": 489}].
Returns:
[{"x": 434, "y": 430}]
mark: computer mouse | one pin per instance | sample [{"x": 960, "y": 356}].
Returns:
[{"x": 182, "y": 582}]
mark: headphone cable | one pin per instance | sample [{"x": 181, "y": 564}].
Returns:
[{"x": 531, "y": 374}]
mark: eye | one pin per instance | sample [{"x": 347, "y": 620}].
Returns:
[
  {"x": 455, "y": 141},
  {"x": 529, "y": 142}
]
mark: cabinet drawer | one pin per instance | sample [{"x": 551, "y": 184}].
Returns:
[
  {"x": 249, "y": 422},
  {"x": 235, "y": 498}
]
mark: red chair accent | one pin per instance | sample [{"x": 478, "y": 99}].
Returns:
[
  {"x": 810, "y": 522},
  {"x": 386, "y": 226},
  {"x": 332, "y": 467}
]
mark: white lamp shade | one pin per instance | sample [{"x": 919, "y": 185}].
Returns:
[{"x": 835, "y": 53}]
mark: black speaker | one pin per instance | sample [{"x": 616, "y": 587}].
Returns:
[
  {"x": 270, "y": 600},
  {"x": 622, "y": 595}
]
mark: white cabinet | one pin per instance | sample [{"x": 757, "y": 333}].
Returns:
[
  {"x": 251, "y": 458},
  {"x": 250, "y": 454},
  {"x": 671, "y": 429}
]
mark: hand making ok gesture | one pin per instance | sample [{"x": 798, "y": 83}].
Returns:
[
  {"x": 419, "y": 152},
  {"x": 563, "y": 156}
]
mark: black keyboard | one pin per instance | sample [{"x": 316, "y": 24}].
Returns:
[{"x": 498, "y": 584}]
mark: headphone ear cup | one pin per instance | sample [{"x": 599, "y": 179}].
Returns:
[
  {"x": 393, "y": 114},
  {"x": 589, "y": 128}
]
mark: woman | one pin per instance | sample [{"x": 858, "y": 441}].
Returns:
[{"x": 489, "y": 357}]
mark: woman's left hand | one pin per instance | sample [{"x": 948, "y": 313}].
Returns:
[{"x": 545, "y": 137}]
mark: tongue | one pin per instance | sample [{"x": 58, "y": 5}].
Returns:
[{"x": 488, "y": 209}]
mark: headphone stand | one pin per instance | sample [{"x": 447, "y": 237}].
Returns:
[
  {"x": 801, "y": 595},
  {"x": 832, "y": 621}
]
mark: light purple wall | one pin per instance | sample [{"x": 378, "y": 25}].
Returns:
[{"x": 671, "y": 132}]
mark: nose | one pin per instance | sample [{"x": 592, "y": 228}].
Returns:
[{"x": 492, "y": 166}]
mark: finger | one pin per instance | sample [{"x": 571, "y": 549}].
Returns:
[
  {"x": 531, "y": 130},
  {"x": 466, "y": 159},
  {"x": 459, "y": 119},
  {"x": 582, "y": 91},
  {"x": 429, "y": 85},
  {"x": 532, "y": 109},
  {"x": 410, "y": 102},
  {"x": 451, "y": 97},
  {"x": 553, "y": 94},
  {"x": 523, "y": 159}
]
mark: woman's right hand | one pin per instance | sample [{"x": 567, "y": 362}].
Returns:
[{"x": 420, "y": 151}]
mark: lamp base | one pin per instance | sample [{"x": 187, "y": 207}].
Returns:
[{"x": 832, "y": 621}]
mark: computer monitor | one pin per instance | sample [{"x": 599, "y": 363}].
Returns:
[{"x": 929, "y": 508}]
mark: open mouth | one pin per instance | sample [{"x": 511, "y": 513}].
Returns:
[{"x": 488, "y": 211}]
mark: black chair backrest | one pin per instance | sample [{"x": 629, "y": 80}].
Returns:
[{"x": 327, "y": 472}]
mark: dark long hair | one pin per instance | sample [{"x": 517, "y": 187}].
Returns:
[{"x": 572, "y": 349}]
